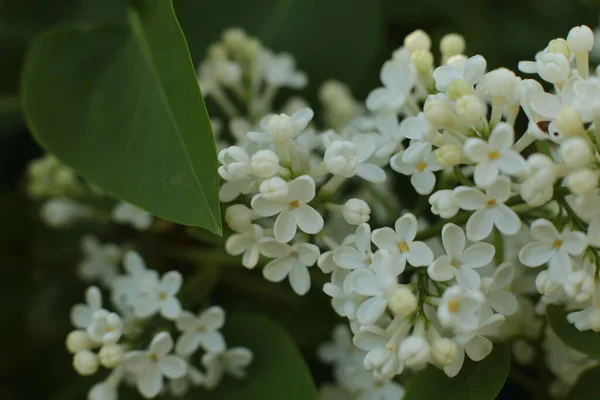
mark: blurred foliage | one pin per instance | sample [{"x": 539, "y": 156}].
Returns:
[{"x": 330, "y": 39}]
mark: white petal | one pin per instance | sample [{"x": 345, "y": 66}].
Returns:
[
  {"x": 559, "y": 267},
  {"x": 542, "y": 229},
  {"x": 474, "y": 69},
  {"x": 170, "y": 308},
  {"x": 406, "y": 227},
  {"x": 469, "y": 198},
  {"x": 136, "y": 361},
  {"x": 453, "y": 240},
  {"x": 370, "y": 310},
  {"x": 546, "y": 105},
  {"x": 453, "y": 369},
  {"x": 363, "y": 282},
  {"x": 502, "y": 277},
  {"x": 362, "y": 238},
  {"x": 477, "y": 255},
  {"x": 574, "y": 242},
  {"x": 172, "y": 367},
  {"x": 150, "y": 382},
  {"x": 444, "y": 75},
  {"x": 81, "y": 315},
  {"x": 285, "y": 226},
  {"x": 478, "y": 348},
  {"x": 302, "y": 189},
  {"x": 187, "y": 343},
  {"x": 503, "y": 302},
  {"x": 273, "y": 249},
  {"x": 468, "y": 278},
  {"x": 479, "y": 225},
  {"x": 441, "y": 270},
  {"x": 309, "y": 220},
  {"x": 500, "y": 190},
  {"x": 502, "y": 137},
  {"x": 213, "y": 341},
  {"x": 300, "y": 279},
  {"x": 213, "y": 317},
  {"x": 301, "y": 118},
  {"x": 385, "y": 238},
  {"x": 477, "y": 150},
  {"x": 535, "y": 254},
  {"x": 378, "y": 99},
  {"x": 278, "y": 269},
  {"x": 511, "y": 163},
  {"x": 161, "y": 344},
  {"x": 250, "y": 258},
  {"x": 423, "y": 181},
  {"x": 308, "y": 253},
  {"x": 185, "y": 321},
  {"x": 486, "y": 173},
  {"x": 506, "y": 220},
  {"x": 264, "y": 207},
  {"x": 419, "y": 254},
  {"x": 370, "y": 172},
  {"x": 144, "y": 306},
  {"x": 348, "y": 257},
  {"x": 171, "y": 282},
  {"x": 238, "y": 243}
]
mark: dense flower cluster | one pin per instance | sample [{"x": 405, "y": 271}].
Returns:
[
  {"x": 117, "y": 340},
  {"x": 510, "y": 204}
]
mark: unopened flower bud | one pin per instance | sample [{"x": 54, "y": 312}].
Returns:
[
  {"x": 448, "y": 155},
  {"x": 443, "y": 351},
  {"x": 279, "y": 127},
  {"x": 85, "y": 363},
  {"x": 111, "y": 355},
  {"x": 265, "y": 163},
  {"x": 216, "y": 52},
  {"x": 535, "y": 196},
  {"x": 251, "y": 48},
  {"x": 438, "y": 110},
  {"x": 544, "y": 284},
  {"x": 500, "y": 82},
  {"x": 234, "y": 38},
  {"x": 274, "y": 189},
  {"x": 569, "y": 122},
  {"x": 452, "y": 44},
  {"x": 459, "y": 88},
  {"x": 78, "y": 341},
  {"x": 403, "y": 301},
  {"x": 61, "y": 212},
  {"x": 422, "y": 60},
  {"x": 575, "y": 152},
  {"x": 340, "y": 158},
  {"x": 239, "y": 217},
  {"x": 417, "y": 40},
  {"x": 356, "y": 211},
  {"x": 559, "y": 46},
  {"x": 580, "y": 286},
  {"x": 470, "y": 109},
  {"x": 553, "y": 67},
  {"x": 414, "y": 351},
  {"x": 443, "y": 204},
  {"x": 582, "y": 181},
  {"x": 580, "y": 39}
]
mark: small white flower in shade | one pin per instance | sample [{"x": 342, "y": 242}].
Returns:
[
  {"x": 281, "y": 129},
  {"x": 180, "y": 386},
  {"x": 78, "y": 340},
  {"x": 294, "y": 211},
  {"x": 586, "y": 319},
  {"x": 343, "y": 304},
  {"x": 459, "y": 309},
  {"x": 400, "y": 241},
  {"x": 421, "y": 170},
  {"x": 111, "y": 355},
  {"x": 580, "y": 284},
  {"x": 159, "y": 296},
  {"x": 357, "y": 252},
  {"x": 415, "y": 351},
  {"x": 81, "y": 314},
  {"x": 150, "y": 366},
  {"x": 458, "y": 261},
  {"x": 289, "y": 261},
  {"x": 235, "y": 164},
  {"x": 125, "y": 213},
  {"x": 471, "y": 72},
  {"x": 443, "y": 204},
  {"x": 232, "y": 361},
  {"x": 377, "y": 284},
  {"x": 489, "y": 208},
  {"x": 356, "y": 211},
  {"x": 398, "y": 80},
  {"x": 264, "y": 163},
  {"x": 86, "y": 363},
  {"x": 62, "y": 212},
  {"x": 246, "y": 243},
  {"x": 239, "y": 217},
  {"x": 384, "y": 362},
  {"x": 443, "y": 351},
  {"x": 100, "y": 260},
  {"x": 421, "y": 133},
  {"x": 109, "y": 388},
  {"x": 495, "y": 156},
  {"x": 280, "y": 70},
  {"x": 554, "y": 248},
  {"x": 391, "y": 136},
  {"x": 106, "y": 327},
  {"x": 273, "y": 189},
  {"x": 474, "y": 344},
  {"x": 551, "y": 67},
  {"x": 403, "y": 301},
  {"x": 340, "y": 350},
  {"x": 201, "y": 330},
  {"x": 495, "y": 293}
]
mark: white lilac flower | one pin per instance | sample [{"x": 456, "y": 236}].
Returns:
[
  {"x": 232, "y": 361},
  {"x": 289, "y": 261},
  {"x": 159, "y": 295},
  {"x": 343, "y": 304},
  {"x": 458, "y": 261},
  {"x": 280, "y": 70},
  {"x": 474, "y": 344},
  {"x": 348, "y": 158},
  {"x": 400, "y": 242},
  {"x": 489, "y": 208},
  {"x": 356, "y": 254},
  {"x": 235, "y": 164},
  {"x": 100, "y": 260},
  {"x": 421, "y": 134},
  {"x": 105, "y": 327},
  {"x": 126, "y": 213},
  {"x": 554, "y": 248},
  {"x": 81, "y": 314},
  {"x": 293, "y": 211},
  {"x": 443, "y": 204},
  {"x": 421, "y": 170},
  {"x": 391, "y": 136},
  {"x": 201, "y": 330},
  {"x": 180, "y": 386},
  {"x": 495, "y": 156},
  {"x": 589, "y": 317},
  {"x": 150, "y": 366},
  {"x": 398, "y": 80},
  {"x": 281, "y": 129},
  {"x": 377, "y": 284},
  {"x": 246, "y": 243},
  {"x": 470, "y": 71},
  {"x": 494, "y": 290},
  {"x": 63, "y": 212},
  {"x": 459, "y": 308}
]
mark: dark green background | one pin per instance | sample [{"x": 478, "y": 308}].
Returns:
[{"x": 344, "y": 39}]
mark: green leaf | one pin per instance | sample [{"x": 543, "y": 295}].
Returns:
[
  {"x": 481, "y": 380},
  {"x": 587, "y": 342},
  {"x": 277, "y": 371},
  {"x": 586, "y": 387},
  {"x": 122, "y": 106}
]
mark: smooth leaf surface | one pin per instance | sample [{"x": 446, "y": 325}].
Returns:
[
  {"x": 481, "y": 380},
  {"x": 121, "y": 105},
  {"x": 587, "y": 342},
  {"x": 586, "y": 387},
  {"x": 278, "y": 370}
]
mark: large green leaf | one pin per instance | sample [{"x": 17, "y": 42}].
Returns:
[
  {"x": 587, "y": 387},
  {"x": 587, "y": 342},
  {"x": 277, "y": 370},
  {"x": 121, "y": 105},
  {"x": 476, "y": 381}
]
